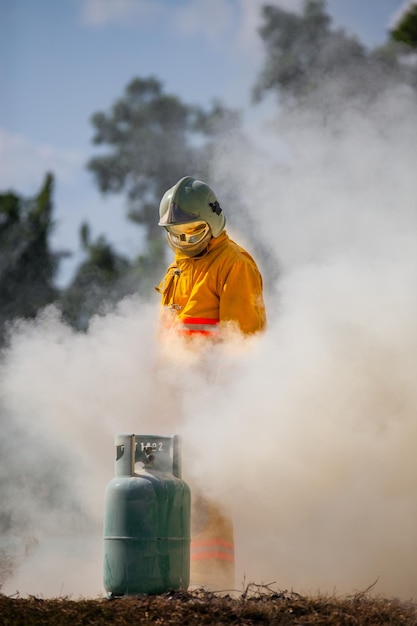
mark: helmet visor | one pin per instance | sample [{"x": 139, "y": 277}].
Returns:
[{"x": 184, "y": 235}]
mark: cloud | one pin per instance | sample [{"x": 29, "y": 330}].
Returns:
[
  {"x": 233, "y": 22},
  {"x": 210, "y": 19},
  {"x": 100, "y": 13}
]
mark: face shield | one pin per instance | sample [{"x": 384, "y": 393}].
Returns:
[{"x": 190, "y": 239}]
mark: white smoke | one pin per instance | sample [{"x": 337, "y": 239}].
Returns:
[
  {"x": 63, "y": 397},
  {"x": 313, "y": 446},
  {"x": 307, "y": 433}
]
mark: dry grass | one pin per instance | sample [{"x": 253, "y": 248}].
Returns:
[{"x": 258, "y": 604}]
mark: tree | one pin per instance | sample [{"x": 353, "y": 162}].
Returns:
[
  {"x": 101, "y": 279},
  {"x": 405, "y": 30},
  {"x": 310, "y": 62},
  {"x": 153, "y": 139},
  {"x": 27, "y": 264}
]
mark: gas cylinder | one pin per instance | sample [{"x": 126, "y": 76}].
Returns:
[{"x": 146, "y": 518}]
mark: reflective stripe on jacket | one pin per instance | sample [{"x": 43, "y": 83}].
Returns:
[
  {"x": 223, "y": 285},
  {"x": 199, "y": 326}
]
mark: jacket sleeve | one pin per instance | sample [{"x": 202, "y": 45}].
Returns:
[{"x": 241, "y": 296}]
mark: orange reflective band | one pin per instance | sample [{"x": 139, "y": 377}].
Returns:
[
  {"x": 212, "y": 549},
  {"x": 199, "y": 320},
  {"x": 198, "y": 325}
]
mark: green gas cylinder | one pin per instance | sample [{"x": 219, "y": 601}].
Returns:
[{"x": 146, "y": 518}]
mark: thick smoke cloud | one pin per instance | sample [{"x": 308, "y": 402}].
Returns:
[
  {"x": 320, "y": 465},
  {"x": 307, "y": 433}
]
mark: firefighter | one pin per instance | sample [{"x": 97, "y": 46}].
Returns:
[
  {"x": 213, "y": 283},
  {"x": 213, "y": 286}
]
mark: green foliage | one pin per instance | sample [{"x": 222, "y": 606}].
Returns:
[
  {"x": 406, "y": 29},
  {"x": 99, "y": 281},
  {"x": 308, "y": 61},
  {"x": 293, "y": 43},
  {"x": 27, "y": 265},
  {"x": 152, "y": 139},
  {"x": 143, "y": 131}
]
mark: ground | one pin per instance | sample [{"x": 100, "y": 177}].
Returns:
[{"x": 257, "y": 605}]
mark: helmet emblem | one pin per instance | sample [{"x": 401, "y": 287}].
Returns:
[{"x": 215, "y": 207}]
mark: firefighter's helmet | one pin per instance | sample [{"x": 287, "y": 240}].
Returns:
[{"x": 191, "y": 214}]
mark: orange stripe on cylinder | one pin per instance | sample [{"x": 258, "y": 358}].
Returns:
[{"x": 202, "y": 549}]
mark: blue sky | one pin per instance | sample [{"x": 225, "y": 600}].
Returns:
[{"x": 60, "y": 62}]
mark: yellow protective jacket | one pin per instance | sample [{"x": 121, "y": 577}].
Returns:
[{"x": 200, "y": 294}]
